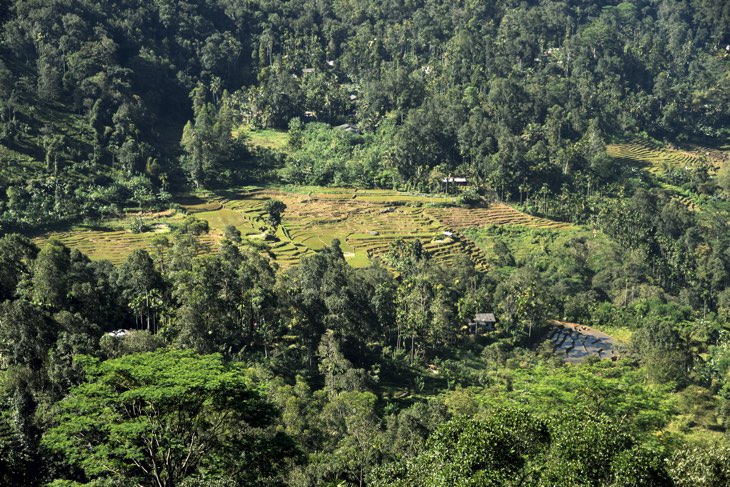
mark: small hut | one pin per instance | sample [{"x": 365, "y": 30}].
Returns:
[
  {"x": 348, "y": 127},
  {"x": 453, "y": 183},
  {"x": 483, "y": 322}
]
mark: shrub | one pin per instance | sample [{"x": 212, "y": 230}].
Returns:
[
  {"x": 470, "y": 197},
  {"x": 138, "y": 225}
]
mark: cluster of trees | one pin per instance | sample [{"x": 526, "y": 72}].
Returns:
[
  {"x": 671, "y": 288},
  {"x": 98, "y": 93},
  {"x": 40, "y": 204},
  {"x": 229, "y": 371},
  {"x": 319, "y": 321},
  {"x": 517, "y": 97}
]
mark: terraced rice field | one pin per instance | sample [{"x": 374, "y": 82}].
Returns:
[
  {"x": 113, "y": 245},
  {"x": 688, "y": 202},
  {"x": 97, "y": 244},
  {"x": 659, "y": 160},
  {"x": 365, "y": 222},
  {"x": 496, "y": 214}
]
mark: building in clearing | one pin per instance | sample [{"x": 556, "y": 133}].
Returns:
[
  {"x": 452, "y": 182},
  {"x": 456, "y": 181},
  {"x": 483, "y": 322},
  {"x": 348, "y": 127}
]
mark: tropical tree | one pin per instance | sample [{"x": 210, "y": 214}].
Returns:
[
  {"x": 50, "y": 275},
  {"x": 141, "y": 284},
  {"x": 274, "y": 211},
  {"x": 156, "y": 418},
  {"x": 467, "y": 451},
  {"x": 523, "y": 302},
  {"x": 353, "y": 430}
]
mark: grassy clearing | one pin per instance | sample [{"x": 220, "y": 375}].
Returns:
[
  {"x": 621, "y": 334},
  {"x": 276, "y": 140},
  {"x": 532, "y": 244}
]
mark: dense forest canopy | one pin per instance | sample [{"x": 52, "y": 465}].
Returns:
[
  {"x": 518, "y": 95},
  {"x": 172, "y": 369},
  {"x": 194, "y": 364}
]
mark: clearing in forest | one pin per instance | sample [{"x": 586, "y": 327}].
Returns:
[
  {"x": 366, "y": 222},
  {"x": 575, "y": 343},
  {"x": 271, "y": 139}
]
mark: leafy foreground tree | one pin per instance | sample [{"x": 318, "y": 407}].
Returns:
[
  {"x": 513, "y": 447},
  {"x": 163, "y": 417}
]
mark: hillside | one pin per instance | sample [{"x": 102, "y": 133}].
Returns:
[
  {"x": 364, "y": 243},
  {"x": 150, "y": 92}
]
